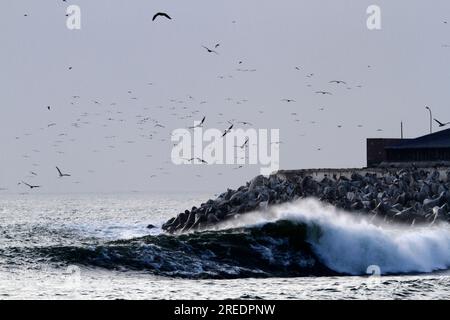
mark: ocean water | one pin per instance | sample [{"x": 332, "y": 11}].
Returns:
[{"x": 99, "y": 247}]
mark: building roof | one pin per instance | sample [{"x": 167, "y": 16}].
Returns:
[{"x": 440, "y": 139}]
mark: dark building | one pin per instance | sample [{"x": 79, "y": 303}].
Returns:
[{"x": 432, "y": 148}]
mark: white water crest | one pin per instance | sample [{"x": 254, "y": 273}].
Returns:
[{"x": 349, "y": 243}]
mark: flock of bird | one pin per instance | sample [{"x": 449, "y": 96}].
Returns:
[{"x": 179, "y": 109}]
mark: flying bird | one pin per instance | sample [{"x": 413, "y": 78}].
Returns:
[
  {"x": 62, "y": 174},
  {"x": 198, "y": 159},
  {"x": 245, "y": 143},
  {"x": 288, "y": 100},
  {"x": 210, "y": 50},
  {"x": 245, "y": 123},
  {"x": 227, "y": 131},
  {"x": 441, "y": 124},
  {"x": 201, "y": 160},
  {"x": 30, "y": 186},
  {"x": 324, "y": 92},
  {"x": 161, "y": 14},
  {"x": 338, "y": 82},
  {"x": 200, "y": 124}
]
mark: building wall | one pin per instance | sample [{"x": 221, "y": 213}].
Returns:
[
  {"x": 376, "y": 152},
  {"x": 418, "y": 155},
  {"x": 319, "y": 174}
]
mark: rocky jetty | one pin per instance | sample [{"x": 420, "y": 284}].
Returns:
[{"x": 407, "y": 195}]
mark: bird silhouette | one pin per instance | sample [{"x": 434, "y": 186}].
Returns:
[
  {"x": 324, "y": 92},
  {"x": 161, "y": 14},
  {"x": 441, "y": 124},
  {"x": 199, "y": 125},
  {"x": 30, "y": 186},
  {"x": 62, "y": 174},
  {"x": 227, "y": 131},
  {"x": 245, "y": 123},
  {"x": 338, "y": 82},
  {"x": 244, "y": 144},
  {"x": 198, "y": 159},
  {"x": 210, "y": 50},
  {"x": 201, "y": 160}
]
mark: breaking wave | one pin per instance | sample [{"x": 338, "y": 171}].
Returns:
[{"x": 304, "y": 238}]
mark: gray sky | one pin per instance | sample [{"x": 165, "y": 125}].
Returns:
[{"x": 119, "y": 49}]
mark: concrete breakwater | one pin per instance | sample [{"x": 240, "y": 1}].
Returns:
[{"x": 407, "y": 195}]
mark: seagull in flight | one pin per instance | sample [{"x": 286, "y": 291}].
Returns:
[
  {"x": 338, "y": 82},
  {"x": 227, "y": 131},
  {"x": 62, "y": 174},
  {"x": 441, "y": 124},
  {"x": 324, "y": 92},
  {"x": 198, "y": 159},
  {"x": 245, "y": 143},
  {"x": 202, "y": 161},
  {"x": 210, "y": 50},
  {"x": 30, "y": 186},
  {"x": 161, "y": 14},
  {"x": 288, "y": 100},
  {"x": 200, "y": 124},
  {"x": 245, "y": 123}
]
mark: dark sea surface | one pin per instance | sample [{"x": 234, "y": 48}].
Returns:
[{"x": 99, "y": 247}]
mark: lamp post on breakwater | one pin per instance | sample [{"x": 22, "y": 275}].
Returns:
[{"x": 431, "y": 119}]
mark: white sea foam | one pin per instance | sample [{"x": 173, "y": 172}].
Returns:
[{"x": 350, "y": 244}]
